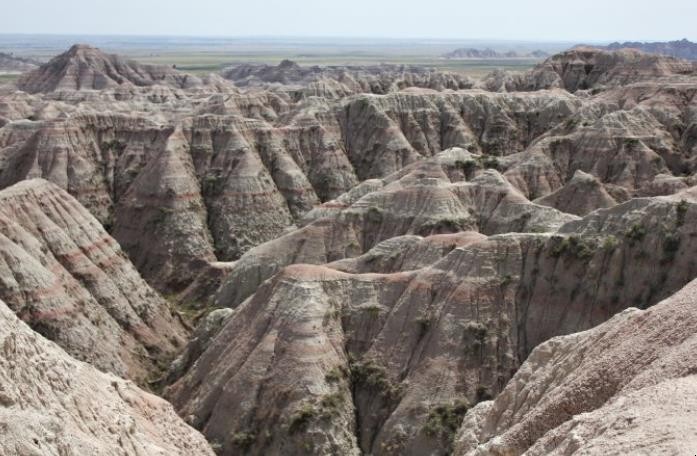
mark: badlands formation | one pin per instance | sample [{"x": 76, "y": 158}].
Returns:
[{"x": 383, "y": 260}]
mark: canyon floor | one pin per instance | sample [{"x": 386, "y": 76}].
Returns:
[{"x": 348, "y": 259}]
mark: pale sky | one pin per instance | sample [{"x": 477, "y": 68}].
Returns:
[{"x": 543, "y": 20}]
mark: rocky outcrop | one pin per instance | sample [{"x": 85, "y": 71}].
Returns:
[
  {"x": 52, "y": 404},
  {"x": 585, "y": 68},
  {"x": 83, "y": 67},
  {"x": 399, "y": 356},
  {"x": 681, "y": 49},
  {"x": 581, "y": 195},
  {"x": 71, "y": 282},
  {"x": 341, "y": 81},
  {"x": 427, "y": 198},
  {"x": 626, "y": 386}
]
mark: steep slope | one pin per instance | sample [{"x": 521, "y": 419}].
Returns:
[
  {"x": 398, "y": 356},
  {"x": 682, "y": 49},
  {"x": 581, "y": 195},
  {"x": 436, "y": 196},
  {"x": 585, "y": 68},
  {"x": 70, "y": 281},
  {"x": 626, "y": 386},
  {"x": 51, "y": 404},
  {"x": 216, "y": 172},
  {"x": 83, "y": 67},
  {"x": 341, "y": 81}
]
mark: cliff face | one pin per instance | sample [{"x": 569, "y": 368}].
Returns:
[
  {"x": 52, "y": 404},
  {"x": 371, "y": 254},
  {"x": 396, "y": 356},
  {"x": 624, "y": 386},
  {"x": 71, "y": 282}
]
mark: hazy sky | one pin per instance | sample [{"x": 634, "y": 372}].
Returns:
[{"x": 555, "y": 20}]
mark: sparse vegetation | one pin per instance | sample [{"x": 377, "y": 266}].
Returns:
[
  {"x": 631, "y": 143},
  {"x": 336, "y": 374},
  {"x": 680, "y": 212},
  {"x": 372, "y": 309},
  {"x": 506, "y": 280},
  {"x": 475, "y": 336},
  {"x": 671, "y": 245},
  {"x": 444, "y": 420},
  {"x": 610, "y": 243},
  {"x": 574, "y": 246},
  {"x": 371, "y": 375},
  {"x": 635, "y": 233},
  {"x": 490, "y": 162},
  {"x": 331, "y": 404},
  {"x": 483, "y": 394},
  {"x": 113, "y": 145},
  {"x": 467, "y": 167},
  {"x": 243, "y": 440},
  {"x": 302, "y": 417},
  {"x": 328, "y": 406},
  {"x": 424, "y": 323}
]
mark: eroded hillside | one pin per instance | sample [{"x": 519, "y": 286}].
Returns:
[{"x": 357, "y": 260}]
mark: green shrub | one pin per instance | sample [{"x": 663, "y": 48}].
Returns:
[
  {"x": 671, "y": 245},
  {"x": 243, "y": 440},
  {"x": 467, "y": 167},
  {"x": 302, "y": 417},
  {"x": 680, "y": 212},
  {"x": 610, "y": 243},
  {"x": 635, "y": 233},
  {"x": 491, "y": 162},
  {"x": 483, "y": 394},
  {"x": 574, "y": 246},
  {"x": 444, "y": 420},
  {"x": 335, "y": 374},
  {"x": 631, "y": 143},
  {"x": 331, "y": 404},
  {"x": 369, "y": 374},
  {"x": 373, "y": 310},
  {"x": 424, "y": 323}
]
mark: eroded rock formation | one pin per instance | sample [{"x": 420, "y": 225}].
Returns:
[
  {"x": 52, "y": 404},
  {"x": 368, "y": 253},
  {"x": 71, "y": 282}
]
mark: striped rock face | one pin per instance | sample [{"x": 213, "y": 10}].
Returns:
[
  {"x": 51, "y": 403},
  {"x": 371, "y": 255},
  {"x": 71, "y": 282}
]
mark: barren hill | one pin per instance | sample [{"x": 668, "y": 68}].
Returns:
[
  {"x": 83, "y": 67},
  {"x": 682, "y": 49},
  {"x": 71, "y": 282},
  {"x": 378, "y": 260},
  {"x": 52, "y": 404}
]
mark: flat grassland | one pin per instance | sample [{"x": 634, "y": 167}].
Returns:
[
  {"x": 208, "y": 62},
  {"x": 201, "y": 55}
]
